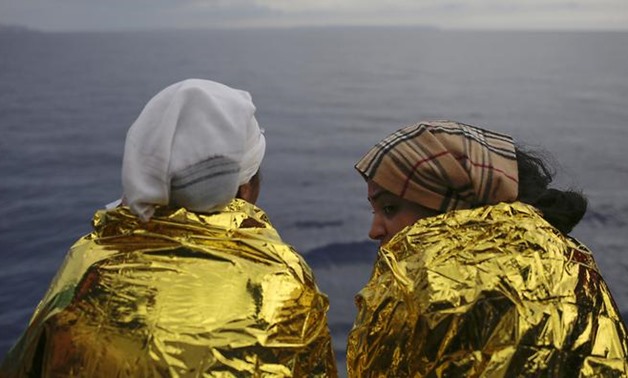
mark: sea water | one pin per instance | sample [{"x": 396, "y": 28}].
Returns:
[{"x": 324, "y": 96}]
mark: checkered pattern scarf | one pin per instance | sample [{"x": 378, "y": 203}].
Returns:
[{"x": 444, "y": 165}]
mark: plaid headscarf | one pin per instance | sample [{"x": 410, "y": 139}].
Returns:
[{"x": 444, "y": 165}]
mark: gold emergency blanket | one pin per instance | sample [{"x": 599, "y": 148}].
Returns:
[
  {"x": 183, "y": 295},
  {"x": 491, "y": 292}
]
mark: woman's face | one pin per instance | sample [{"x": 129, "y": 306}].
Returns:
[{"x": 391, "y": 214}]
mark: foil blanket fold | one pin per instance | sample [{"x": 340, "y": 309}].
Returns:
[
  {"x": 185, "y": 294},
  {"x": 491, "y": 292}
]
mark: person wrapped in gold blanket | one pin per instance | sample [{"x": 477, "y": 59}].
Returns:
[
  {"x": 187, "y": 278},
  {"x": 476, "y": 275}
]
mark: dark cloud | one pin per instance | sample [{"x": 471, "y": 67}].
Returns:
[{"x": 152, "y": 14}]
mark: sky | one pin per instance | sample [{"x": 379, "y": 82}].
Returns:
[{"x": 78, "y": 15}]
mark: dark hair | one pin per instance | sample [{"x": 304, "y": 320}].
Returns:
[{"x": 563, "y": 209}]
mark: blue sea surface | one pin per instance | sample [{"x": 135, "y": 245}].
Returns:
[{"x": 324, "y": 96}]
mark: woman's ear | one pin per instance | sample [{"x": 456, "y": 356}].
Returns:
[
  {"x": 249, "y": 191},
  {"x": 244, "y": 192}
]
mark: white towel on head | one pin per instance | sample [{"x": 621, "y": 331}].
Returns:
[{"x": 194, "y": 143}]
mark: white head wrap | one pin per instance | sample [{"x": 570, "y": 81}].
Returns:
[{"x": 192, "y": 146}]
